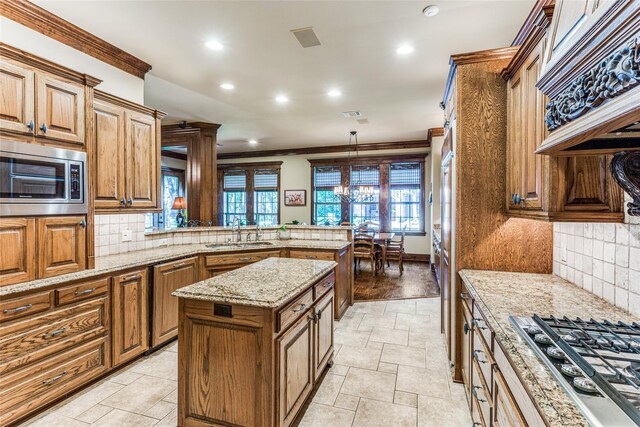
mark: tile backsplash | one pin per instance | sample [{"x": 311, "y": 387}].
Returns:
[
  {"x": 601, "y": 258},
  {"x": 121, "y": 233}
]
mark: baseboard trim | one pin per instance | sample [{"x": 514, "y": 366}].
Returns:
[{"x": 417, "y": 257}]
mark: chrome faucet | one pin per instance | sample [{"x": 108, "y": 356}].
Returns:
[
  {"x": 236, "y": 225},
  {"x": 258, "y": 232}
]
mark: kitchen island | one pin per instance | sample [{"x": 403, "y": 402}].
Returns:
[{"x": 253, "y": 342}]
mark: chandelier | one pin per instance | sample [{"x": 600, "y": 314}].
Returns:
[{"x": 354, "y": 192}]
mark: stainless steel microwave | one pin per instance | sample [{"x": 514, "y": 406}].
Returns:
[{"x": 41, "y": 180}]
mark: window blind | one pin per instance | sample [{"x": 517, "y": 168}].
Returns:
[
  {"x": 235, "y": 180},
  {"x": 327, "y": 176},
  {"x": 365, "y": 175},
  {"x": 405, "y": 174},
  {"x": 265, "y": 179}
]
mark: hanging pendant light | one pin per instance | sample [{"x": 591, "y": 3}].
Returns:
[{"x": 354, "y": 193}]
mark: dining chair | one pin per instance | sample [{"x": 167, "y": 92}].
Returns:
[
  {"x": 395, "y": 251},
  {"x": 365, "y": 248}
]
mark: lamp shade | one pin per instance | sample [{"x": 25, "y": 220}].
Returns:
[{"x": 179, "y": 203}]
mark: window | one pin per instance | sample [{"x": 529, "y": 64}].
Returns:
[
  {"x": 367, "y": 210},
  {"x": 398, "y": 200},
  {"x": 327, "y": 206},
  {"x": 405, "y": 196},
  {"x": 250, "y": 192},
  {"x": 172, "y": 187}
]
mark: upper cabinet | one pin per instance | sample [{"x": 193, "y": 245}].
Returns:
[
  {"x": 18, "y": 96},
  {"x": 59, "y": 109},
  {"x": 130, "y": 135}
]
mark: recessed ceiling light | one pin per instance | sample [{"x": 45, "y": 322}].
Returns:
[
  {"x": 227, "y": 86},
  {"x": 214, "y": 45},
  {"x": 334, "y": 93},
  {"x": 282, "y": 99},
  {"x": 404, "y": 49},
  {"x": 431, "y": 10},
  {"x": 253, "y": 141}
]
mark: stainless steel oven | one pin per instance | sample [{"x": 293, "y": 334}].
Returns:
[{"x": 41, "y": 180}]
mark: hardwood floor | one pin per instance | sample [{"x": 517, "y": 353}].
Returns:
[{"x": 418, "y": 281}]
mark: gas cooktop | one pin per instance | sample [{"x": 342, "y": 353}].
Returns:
[{"x": 596, "y": 362}]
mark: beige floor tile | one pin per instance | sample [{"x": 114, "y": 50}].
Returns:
[
  {"x": 367, "y": 358},
  {"x": 172, "y": 347},
  {"x": 87, "y": 399},
  {"x": 372, "y": 413},
  {"x": 141, "y": 395},
  {"x": 406, "y": 321},
  {"x": 352, "y": 337},
  {"x": 423, "y": 381},
  {"x": 428, "y": 306},
  {"x": 170, "y": 420},
  {"x": 383, "y": 321},
  {"x": 118, "y": 418},
  {"x": 406, "y": 399},
  {"x": 94, "y": 413},
  {"x": 389, "y": 336},
  {"x": 328, "y": 389},
  {"x": 370, "y": 307},
  {"x": 172, "y": 397},
  {"x": 338, "y": 369},
  {"x": 376, "y": 345},
  {"x": 324, "y": 416},
  {"x": 402, "y": 355},
  {"x": 401, "y": 306},
  {"x": 163, "y": 364},
  {"x": 388, "y": 367},
  {"x": 435, "y": 412},
  {"x": 369, "y": 384},
  {"x": 55, "y": 418},
  {"x": 125, "y": 377},
  {"x": 346, "y": 401},
  {"x": 160, "y": 410},
  {"x": 351, "y": 321}
]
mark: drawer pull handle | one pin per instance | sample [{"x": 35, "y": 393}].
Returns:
[
  {"x": 179, "y": 265},
  {"x": 476, "y": 424},
  {"x": 319, "y": 314},
  {"x": 475, "y": 393},
  {"x": 475, "y": 356},
  {"x": 464, "y": 295},
  {"x": 135, "y": 276},
  {"x": 17, "y": 309},
  {"x": 54, "y": 333},
  {"x": 85, "y": 292},
  {"x": 301, "y": 308},
  {"x": 477, "y": 323},
  {"x": 54, "y": 379},
  {"x": 327, "y": 285},
  {"x": 245, "y": 258},
  {"x": 467, "y": 329},
  {"x": 312, "y": 256}
]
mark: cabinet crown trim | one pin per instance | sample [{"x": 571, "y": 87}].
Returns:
[{"x": 112, "y": 99}]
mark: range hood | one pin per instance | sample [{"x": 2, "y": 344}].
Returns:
[{"x": 592, "y": 80}]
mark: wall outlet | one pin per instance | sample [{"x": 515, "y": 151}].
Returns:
[{"x": 127, "y": 235}]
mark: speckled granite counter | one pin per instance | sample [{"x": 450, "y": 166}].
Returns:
[
  {"x": 114, "y": 263},
  {"x": 267, "y": 283},
  {"x": 502, "y": 294}
]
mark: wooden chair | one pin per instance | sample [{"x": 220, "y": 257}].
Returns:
[
  {"x": 395, "y": 251},
  {"x": 365, "y": 248}
]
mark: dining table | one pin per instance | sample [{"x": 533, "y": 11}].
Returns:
[{"x": 381, "y": 239}]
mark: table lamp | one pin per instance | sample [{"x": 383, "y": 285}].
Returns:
[{"x": 180, "y": 204}]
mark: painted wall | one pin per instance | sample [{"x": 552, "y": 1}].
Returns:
[
  {"x": 173, "y": 163},
  {"x": 295, "y": 174},
  {"x": 114, "y": 80}
]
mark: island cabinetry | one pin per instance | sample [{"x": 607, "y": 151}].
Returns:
[
  {"x": 130, "y": 330},
  {"x": 252, "y": 365},
  {"x": 214, "y": 265}
]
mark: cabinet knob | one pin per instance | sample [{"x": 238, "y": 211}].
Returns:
[
  {"x": 467, "y": 329},
  {"x": 123, "y": 201},
  {"x": 44, "y": 128},
  {"x": 130, "y": 201},
  {"x": 319, "y": 314},
  {"x": 83, "y": 223},
  {"x": 31, "y": 125},
  {"x": 518, "y": 199}
]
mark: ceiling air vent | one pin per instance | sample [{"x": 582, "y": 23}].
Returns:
[
  {"x": 363, "y": 121},
  {"x": 352, "y": 114},
  {"x": 306, "y": 37}
]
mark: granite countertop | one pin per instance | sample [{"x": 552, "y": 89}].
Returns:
[
  {"x": 119, "y": 262},
  {"x": 503, "y": 294},
  {"x": 267, "y": 283}
]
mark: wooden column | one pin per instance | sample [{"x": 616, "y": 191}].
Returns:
[{"x": 200, "y": 139}]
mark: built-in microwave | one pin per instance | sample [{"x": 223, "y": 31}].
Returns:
[{"x": 41, "y": 180}]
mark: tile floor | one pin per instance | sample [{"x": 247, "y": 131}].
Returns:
[{"x": 390, "y": 370}]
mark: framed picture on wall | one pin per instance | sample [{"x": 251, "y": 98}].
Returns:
[{"x": 295, "y": 197}]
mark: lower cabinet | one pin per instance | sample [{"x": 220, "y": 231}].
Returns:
[
  {"x": 214, "y": 265},
  {"x": 505, "y": 409},
  {"x": 17, "y": 250},
  {"x": 167, "y": 278},
  {"x": 323, "y": 334},
  {"x": 130, "y": 325}
]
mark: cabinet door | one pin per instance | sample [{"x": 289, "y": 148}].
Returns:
[
  {"x": 61, "y": 245},
  {"x": 59, "y": 109},
  {"x": 568, "y": 16},
  {"x": 295, "y": 369},
  {"x": 343, "y": 286},
  {"x": 166, "y": 279},
  {"x": 129, "y": 324},
  {"x": 505, "y": 408},
  {"x": 17, "y": 250},
  {"x": 16, "y": 98},
  {"x": 515, "y": 148},
  {"x": 141, "y": 152},
  {"x": 109, "y": 167},
  {"x": 323, "y": 333}
]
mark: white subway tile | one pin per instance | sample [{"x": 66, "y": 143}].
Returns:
[
  {"x": 598, "y": 269},
  {"x": 609, "y": 252},
  {"x": 587, "y": 282},
  {"x": 609, "y": 292},
  {"x": 622, "y": 277},
  {"x": 634, "y": 281},
  {"x": 597, "y": 287},
  {"x": 598, "y": 249},
  {"x": 622, "y": 298},
  {"x": 609, "y": 273},
  {"x": 622, "y": 256},
  {"x": 609, "y": 232}
]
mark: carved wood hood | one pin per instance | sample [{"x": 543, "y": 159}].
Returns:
[{"x": 592, "y": 78}]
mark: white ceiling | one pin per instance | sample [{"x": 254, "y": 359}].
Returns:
[{"x": 398, "y": 94}]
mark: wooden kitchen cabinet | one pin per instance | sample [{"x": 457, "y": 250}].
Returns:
[
  {"x": 59, "y": 109},
  {"x": 505, "y": 410},
  {"x": 167, "y": 278},
  {"x": 323, "y": 335},
  {"x": 17, "y": 88},
  {"x": 130, "y": 326},
  {"x": 127, "y": 155},
  {"x": 17, "y": 250},
  {"x": 61, "y": 243}
]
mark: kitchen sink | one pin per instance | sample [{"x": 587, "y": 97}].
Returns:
[{"x": 239, "y": 245}]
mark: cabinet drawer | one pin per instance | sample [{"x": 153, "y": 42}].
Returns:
[
  {"x": 24, "y": 306},
  {"x": 484, "y": 359},
  {"x": 29, "y": 340},
  {"x": 480, "y": 326},
  {"x": 28, "y": 389},
  {"x": 287, "y": 315},
  {"x": 306, "y": 254},
  {"x": 324, "y": 286},
  {"x": 237, "y": 259},
  {"x": 81, "y": 291},
  {"x": 480, "y": 393}
]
